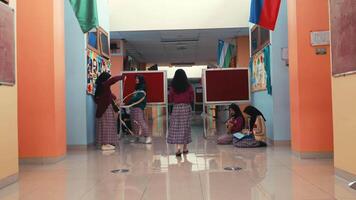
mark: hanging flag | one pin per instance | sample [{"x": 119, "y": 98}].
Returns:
[
  {"x": 224, "y": 54},
  {"x": 267, "y": 61},
  {"x": 265, "y": 13},
  {"x": 86, "y": 13}
]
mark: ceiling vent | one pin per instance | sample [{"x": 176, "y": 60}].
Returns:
[
  {"x": 182, "y": 47},
  {"x": 180, "y": 40}
]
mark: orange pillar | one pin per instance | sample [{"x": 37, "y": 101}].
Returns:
[
  {"x": 310, "y": 80},
  {"x": 41, "y": 80}
]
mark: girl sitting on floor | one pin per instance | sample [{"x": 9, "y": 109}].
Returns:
[
  {"x": 234, "y": 124},
  {"x": 256, "y": 131}
]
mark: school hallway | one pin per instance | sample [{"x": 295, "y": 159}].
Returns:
[
  {"x": 96, "y": 93},
  {"x": 155, "y": 173}
]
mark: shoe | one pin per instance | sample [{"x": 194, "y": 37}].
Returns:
[
  {"x": 178, "y": 153},
  {"x": 145, "y": 140},
  {"x": 148, "y": 140},
  {"x": 108, "y": 152},
  {"x": 107, "y": 147},
  {"x": 185, "y": 151}
]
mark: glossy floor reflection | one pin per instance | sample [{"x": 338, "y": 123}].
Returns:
[{"x": 156, "y": 174}]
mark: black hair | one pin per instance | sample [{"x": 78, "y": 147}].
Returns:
[
  {"x": 141, "y": 85},
  {"x": 254, "y": 113},
  {"x": 237, "y": 111},
  {"x": 99, "y": 83},
  {"x": 180, "y": 81}
]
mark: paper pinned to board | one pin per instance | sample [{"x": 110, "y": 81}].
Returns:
[{"x": 239, "y": 135}]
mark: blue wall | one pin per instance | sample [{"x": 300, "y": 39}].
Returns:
[
  {"x": 75, "y": 79},
  {"x": 276, "y": 107},
  {"x": 280, "y": 78},
  {"x": 104, "y": 22},
  {"x": 80, "y": 107},
  {"x": 90, "y": 119}
]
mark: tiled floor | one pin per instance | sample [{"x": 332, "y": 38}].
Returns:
[{"x": 271, "y": 173}]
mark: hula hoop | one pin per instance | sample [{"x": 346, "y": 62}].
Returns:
[
  {"x": 135, "y": 103},
  {"x": 129, "y": 106}
]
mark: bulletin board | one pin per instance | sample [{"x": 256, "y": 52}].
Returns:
[
  {"x": 225, "y": 86},
  {"x": 156, "y": 85},
  {"x": 259, "y": 74},
  {"x": 343, "y": 40},
  {"x": 7, "y": 45},
  {"x": 96, "y": 65}
]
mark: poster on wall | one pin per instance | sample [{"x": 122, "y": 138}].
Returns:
[
  {"x": 258, "y": 71},
  {"x": 7, "y": 45},
  {"x": 343, "y": 40},
  {"x": 96, "y": 65}
]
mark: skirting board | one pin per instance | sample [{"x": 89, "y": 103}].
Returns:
[
  {"x": 313, "y": 155},
  {"x": 9, "y": 180},
  {"x": 345, "y": 175},
  {"x": 42, "y": 161},
  {"x": 278, "y": 142}
]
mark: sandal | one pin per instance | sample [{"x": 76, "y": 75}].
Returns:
[{"x": 178, "y": 153}]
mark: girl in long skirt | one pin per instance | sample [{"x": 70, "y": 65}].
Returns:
[
  {"x": 106, "y": 127},
  {"x": 181, "y": 94},
  {"x": 138, "y": 122}
]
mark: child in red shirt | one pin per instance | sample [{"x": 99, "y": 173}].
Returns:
[{"x": 234, "y": 124}]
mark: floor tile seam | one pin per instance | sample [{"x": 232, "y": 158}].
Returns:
[
  {"x": 315, "y": 185},
  {"x": 97, "y": 182},
  {"x": 146, "y": 186},
  {"x": 89, "y": 189},
  {"x": 201, "y": 187}
]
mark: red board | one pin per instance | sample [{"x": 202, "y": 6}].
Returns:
[
  {"x": 155, "y": 83},
  {"x": 226, "y": 85},
  {"x": 7, "y": 45}
]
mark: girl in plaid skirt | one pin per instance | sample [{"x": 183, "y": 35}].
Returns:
[
  {"x": 181, "y": 94},
  {"x": 106, "y": 129},
  {"x": 137, "y": 115}
]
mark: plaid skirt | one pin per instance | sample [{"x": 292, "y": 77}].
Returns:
[
  {"x": 179, "y": 129},
  {"x": 106, "y": 128},
  {"x": 138, "y": 122}
]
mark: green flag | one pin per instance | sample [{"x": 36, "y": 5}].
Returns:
[
  {"x": 86, "y": 13},
  {"x": 228, "y": 57}
]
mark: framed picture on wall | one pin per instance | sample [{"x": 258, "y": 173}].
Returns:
[
  {"x": 104, "y": 43},
  {"x": 260, "y": 38},
  {"x": 7, "y": 45},
  {"x": 93, "y": 41}
]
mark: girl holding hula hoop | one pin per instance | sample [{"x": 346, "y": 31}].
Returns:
[
  {"x": 106, "y": 129},
  {"x": 138, "y": 123}
]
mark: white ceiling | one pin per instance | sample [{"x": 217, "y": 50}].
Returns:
[
  {"x": 176, "y": 46},
  {"x": 143, "y": 15}
]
